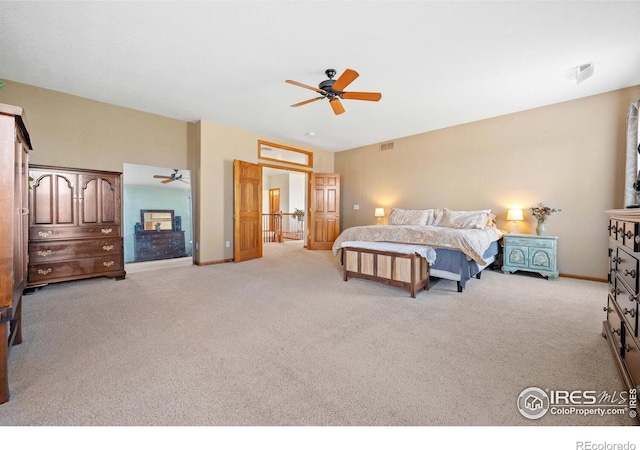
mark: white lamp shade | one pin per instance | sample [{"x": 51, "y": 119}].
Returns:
[
  {"x": 379, "y": 212},
  {"x": 515, "y": 214}
]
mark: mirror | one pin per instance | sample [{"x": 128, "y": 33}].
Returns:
[
  {"x": 281, "y": 153},
  {"x": 146, "y": 188},
  {"x": 156, "y": 219}
]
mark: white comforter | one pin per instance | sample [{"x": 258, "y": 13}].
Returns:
[{"x": 472, "y": 242}]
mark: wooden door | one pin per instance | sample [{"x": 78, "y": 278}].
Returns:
[
  {"x": 247, "y": 211},
  {"x": 99, "y": 199},
  {"x": 324, "y": 210},
  {"x": 274, "y": 207},
  {"x": 53, "y": 198}
]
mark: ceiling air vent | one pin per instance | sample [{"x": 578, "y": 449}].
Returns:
[{"x": 387, "y": 146}]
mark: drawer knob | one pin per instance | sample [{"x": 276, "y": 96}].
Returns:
[
  {"x": 108, "y": 263},
  {"x": 44, "y": 252},
  {"x": 627, "y": 348},
  {"x": 617, "y": 260},
  {"x": 633, "y": 297},
  {"x": 628, "y": 234},
  {"x": 607, "y": 309},
  {"x": 107, "y": 248},
  {"x": 45, "y": 271},
  {"x": 615, "y": 331},
  {"x": 631, "y": 312},
  {"x": 631, "y": 273},
  {"x": 45, "y": 234},
  {"x": 615, "y": 291},
  {"x": 620, "y": 230},
  {"x": 106, "y": 230},
  {"x": 610, "y": 227}
]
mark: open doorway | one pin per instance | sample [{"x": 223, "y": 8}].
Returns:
[{"x": 283, "y": 207}]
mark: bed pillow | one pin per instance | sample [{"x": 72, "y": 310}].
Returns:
[
  {"x": 410, "y": 216},
  {"x": 465, "y": 219}
]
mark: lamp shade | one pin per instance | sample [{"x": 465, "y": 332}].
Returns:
[
  {"x": 515, "y": 214},
  {"x": 379, "y": 212}
]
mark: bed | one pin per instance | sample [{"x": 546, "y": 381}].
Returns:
[{"x": 456, "y": 245}]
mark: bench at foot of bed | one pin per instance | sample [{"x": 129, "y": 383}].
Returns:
[{"x": 406, "y": 271}]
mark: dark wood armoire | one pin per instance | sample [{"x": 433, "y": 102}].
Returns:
[{"x": 75, "y": 225}]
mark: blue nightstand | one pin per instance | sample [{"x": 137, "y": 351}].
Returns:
[{"x": 531, "y": 253}]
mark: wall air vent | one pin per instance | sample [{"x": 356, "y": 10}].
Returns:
[{"x": 387, "y": 146}]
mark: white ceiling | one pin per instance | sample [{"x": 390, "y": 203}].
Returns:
[{"x": 437, "y": 64}]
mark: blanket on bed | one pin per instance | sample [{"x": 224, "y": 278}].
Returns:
[{"x": 471, "y": 242}]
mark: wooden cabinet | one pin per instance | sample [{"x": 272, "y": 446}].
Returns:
[
  {"x": 75, "y": 221},
  {"x": 531, "y": 253},
  {"x": 15, "y": 144},
  {"x": 153, "y": 245},
  {"x": 620, "y": 326}
]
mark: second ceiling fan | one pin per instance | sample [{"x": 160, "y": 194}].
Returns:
[{"x": 334, "y": 90}]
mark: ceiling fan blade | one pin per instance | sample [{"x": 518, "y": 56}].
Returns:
[
  {"x": 160, "y": 176},
  {"x": 345, "y": 80},
  {"x": 306, "y": 86},
  {"x": 167, "y": 181},
  {"x": 307, "y": 101},
  {"x": 369, "y": 96},
  {"x": 336, "y": 104}
]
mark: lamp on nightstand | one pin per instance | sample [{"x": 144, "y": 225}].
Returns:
[
  {"x": 379, "y": 213},
  {"x": 515, "y": 215}
]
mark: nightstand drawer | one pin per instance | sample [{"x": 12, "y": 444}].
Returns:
[{"x": 530, "y": 242}]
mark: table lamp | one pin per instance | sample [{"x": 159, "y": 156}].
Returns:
[
  {"x": 379, "y": 213},
  {"x": 515, "y": 215}
]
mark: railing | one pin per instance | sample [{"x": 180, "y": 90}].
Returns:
[{"x": 280, "y": 226}]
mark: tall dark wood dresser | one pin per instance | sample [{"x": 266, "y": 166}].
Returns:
[
  {"x": 621, "y": 324},
  {"x": 15, "y": 144}
]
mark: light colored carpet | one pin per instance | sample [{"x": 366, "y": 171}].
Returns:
[{"x": 285, "y": 341}]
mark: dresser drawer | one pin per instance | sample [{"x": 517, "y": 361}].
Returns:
[
  {"x": 631, "y": 358},
  {"x": 631, "y": 238},
  {"x": 613, "y": 228},
  {"x": 628, "y": 305},
  {"x": 55, "y": 271},
  {"x": 52, "y": 233},
  {"x": 530, "y": 242},
  {"x": 40, "y": 252},
  {"x": 627, "y": 269},
  {"x": 615, "y": 324}
]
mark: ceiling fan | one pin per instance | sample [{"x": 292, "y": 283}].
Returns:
[
  {"x": 334, "y": 90},
  {"x": 170, "y": 178}
]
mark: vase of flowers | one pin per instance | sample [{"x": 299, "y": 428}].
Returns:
[{"x": 541, "y": 213}]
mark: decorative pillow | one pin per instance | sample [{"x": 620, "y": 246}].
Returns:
[
  {"x": 410, "y": 216},
  {"x": 491, "y": 221},
  {"x": 464, "y": 219},
  {"x": 437, "y": 216}
]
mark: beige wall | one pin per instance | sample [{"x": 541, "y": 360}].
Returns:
[
  {"x": 219, "y": 146},
  {"x": 568, "y": 155},
  {"x": 71, "y": 131}
]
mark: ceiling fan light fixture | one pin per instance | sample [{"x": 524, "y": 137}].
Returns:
[{"x": 333, "y": 90}]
